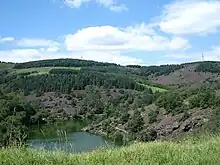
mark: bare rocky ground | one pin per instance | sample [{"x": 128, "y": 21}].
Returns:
[
  {"x": 166, "y": 126},
  {"x": 186, "y": 76},
  {"x": 52, "y": 101}
]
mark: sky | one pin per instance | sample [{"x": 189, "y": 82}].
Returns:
[{"x": 142, "y": 32}]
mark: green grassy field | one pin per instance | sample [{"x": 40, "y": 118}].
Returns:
[
  {"x": 154, "y": 89},
  {"x": 42, "y": 70},
  {"x": 6, "y": 66},
  {"x": 201, "y": 152},
  {"x": 145, "y": 82}
]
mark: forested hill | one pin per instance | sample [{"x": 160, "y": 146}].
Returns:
[
  {"x": 61, "y": 62},
  {"x": 142, "y": 102}
]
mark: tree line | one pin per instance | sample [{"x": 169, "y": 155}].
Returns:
[{"x": 61, "y": 63}]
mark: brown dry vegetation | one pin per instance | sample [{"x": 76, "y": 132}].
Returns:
[{"x": 186, "y": 76}]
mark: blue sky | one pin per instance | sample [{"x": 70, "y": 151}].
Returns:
[{"x": 145, "y": 32}]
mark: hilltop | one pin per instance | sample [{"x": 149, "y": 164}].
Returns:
[{"x": 126, "y": 103}]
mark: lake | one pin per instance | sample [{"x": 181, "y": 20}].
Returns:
[{"x": 66, "y": 136}]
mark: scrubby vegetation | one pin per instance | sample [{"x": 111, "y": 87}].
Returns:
[
  {"x": 16, "y": 116},
  {"x": 120, "y": 102},
  {"x": 209, "y": 66}
]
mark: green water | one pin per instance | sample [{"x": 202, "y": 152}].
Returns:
[{"x": 66, "y": 136}]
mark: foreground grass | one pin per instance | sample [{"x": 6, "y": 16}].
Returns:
[{"x": 202, "y": 152}]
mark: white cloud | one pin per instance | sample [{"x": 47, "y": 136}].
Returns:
[
  {"x": 75, "y": 3},
  {"x": 191, "y": 17},
  {"x": 118, "y": 8},
  {"x": 100, "y": 43},
  {"x": 179, "y": 43},
  {"x": 109, "y": 38},
  {"x": 42, "y": 44},
  {"x": 28, "y": 42},
  {"x": 141, "y": 29},
  {"x": 52, "y": 49},
  {"x": 18, "y": 55},
  {"x": 6, "y": 39},
  {"x": 212, "y": 55},
  {"x": 24, "y": 55},
  {"x": 110, "y": 4}
]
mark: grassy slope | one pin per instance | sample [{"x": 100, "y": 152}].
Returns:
[
  {"x": 42, "y": 70},
  {"x": 6, "y": 66},
  {"x": 143, "y": 81},
  {"x": 155, "y": 89},
  {"x": 201, "y": 152}
]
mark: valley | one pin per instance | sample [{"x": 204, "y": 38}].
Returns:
[{"x": 124, "y": 103}]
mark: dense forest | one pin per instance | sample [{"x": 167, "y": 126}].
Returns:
[
  {"x": 121, "y": 102},
  {"x": 209, "y": 66},
  {"x": 158, "y": 70},
  {"x": 61, "y": 62},
  {"x": 16, "y": 115},
  {"x": 67, "y": 80}
]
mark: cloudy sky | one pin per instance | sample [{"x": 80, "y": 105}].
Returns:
[{"x": 145, "y": 32}]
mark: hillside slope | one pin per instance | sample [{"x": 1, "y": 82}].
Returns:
[
  {"x": 123, "y": 103},
  {"x": 190, "y": 75}
]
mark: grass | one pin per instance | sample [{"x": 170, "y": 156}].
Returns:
[
  {"x": 190, "y": 152},
  {"x": 6, "y": 66},
  {"x": 154, "y": 89},
  {"x": 145, "y": 82},
  {"x": 42, "y": 70}
]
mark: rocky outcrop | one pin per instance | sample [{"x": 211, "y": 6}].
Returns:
[{"x": 172, "y": 126}]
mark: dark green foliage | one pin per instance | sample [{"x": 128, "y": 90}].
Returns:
[
  {"x": 60, "y": 63},
  {"x": 125, "y": 117},
  {"x": 157, "y": 70},
  {"x": 172, "y": 102},
  {"x": 204, "y": 99},
  {"x": 65, "y": 83},
  {"x": 27, "y": 73},
  {"x": 136, "y": 122},
  {"x": 152, "y": 116},
  {"x": 147, "y": 135},
  {"x": 6, "y": 76},
  {"x": 133, "y": 66},
  {"x": 214, "y": 124},
  {"x": 106, "y": 69},
  {"x": 15, "y": 118},
  {"x": 209, "y": 66},
  {"x": 63, "y": 71}
]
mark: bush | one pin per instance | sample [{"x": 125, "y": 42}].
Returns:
[
  {"x": 152, "y": 116},
  {"x": 171, "y": 102}
]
